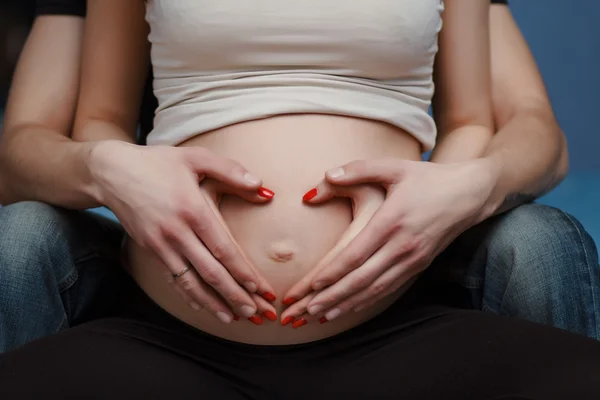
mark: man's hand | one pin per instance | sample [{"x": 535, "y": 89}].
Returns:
[
  {"x": 156, "y": 195},
  {"x": 426, "y": 207}
]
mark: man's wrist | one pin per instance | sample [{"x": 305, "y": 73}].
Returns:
[
  {"x": 493, "y": 165},
  {"x": 93, "y": 156}
]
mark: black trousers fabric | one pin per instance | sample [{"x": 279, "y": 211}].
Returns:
[{"x": 414, "y": 350}]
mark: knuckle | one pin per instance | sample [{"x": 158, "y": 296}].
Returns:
[
  {"x": 186, "y": 283},
  {"x": 329, "y": 300},
  {"x": 187, "y": 208},
  {"x": 356, "y": 166},
  {"x": 233, "y": 298},
  {"x": 234, "y": 168},
  {"x": 359, "y": 282},
  {"x": 210, "y": 276},
  {"x": 378, "y": 288},
  {"x": 152, "y": 241},
  {"x": 187, "y": 212},
  {"x": 353, "y": 257},
  {"x": 168, "y": 231},
  {"x": 223, "y": 251}
]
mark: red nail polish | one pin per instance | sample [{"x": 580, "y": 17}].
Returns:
[
  {"x": 270, "y": 315},
  {"x": 256, "y": 319},
  {"x": 287, "y": 320},
  {"x": 323, "y": 320},
  {"x": 288, "y": 301},
  {"x": 268, "y": 296},
  {"x": 310, "y": 195},
  {"x": 299, "y": 323},
  {"x": 266, "y": 193},
  {"x": 236, "y": 317}
]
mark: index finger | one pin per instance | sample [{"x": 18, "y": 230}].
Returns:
[
  {"x": 212, "y": 230},
  {"x": 304, "y": 286},
  {"x": 363, "y": 244}
]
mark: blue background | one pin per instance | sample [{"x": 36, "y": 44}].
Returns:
[{"x": 564, "y": 37}]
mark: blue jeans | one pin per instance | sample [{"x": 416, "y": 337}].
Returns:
[
  {"x": 59, "y": 268},
  {"x": 534, "y": 262}
]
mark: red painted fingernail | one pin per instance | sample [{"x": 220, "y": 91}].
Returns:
[
  {"x": 268, "y": 296},
  {"x": 266, "y": 193},
  {"x": 299, "y": 323},
  {"x": 310, "y": 195},
  {"x": 270, "y": 315},
  {"x": 287, "y": 320},
  {"x": 256, "y": 319},
  {"x": 236, "y": 317},
  {"x": 323, "y": 320},
  {"x": 288, "y": 301}
]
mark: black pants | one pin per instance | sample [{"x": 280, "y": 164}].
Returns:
[{"x": 414, "y": 350}]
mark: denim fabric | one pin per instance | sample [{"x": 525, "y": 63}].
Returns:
[
  {"x": 534, "y": 262},
  {"x": 58, "y": 268}
]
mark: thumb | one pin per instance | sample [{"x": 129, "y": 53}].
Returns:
[
  {"x": 206, "y": 163},
  {"x": 385, "y": 171},
  {"x": 215, "y": 189}
]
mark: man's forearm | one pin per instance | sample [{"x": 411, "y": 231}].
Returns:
[
  {"x": 529, "y": 156},
  {"x": 41, "y": 165}
]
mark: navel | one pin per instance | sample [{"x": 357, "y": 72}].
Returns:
[{"x": 282, "y": 251}]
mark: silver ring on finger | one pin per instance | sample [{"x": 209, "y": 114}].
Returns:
[{"x": 180, "y": 274}]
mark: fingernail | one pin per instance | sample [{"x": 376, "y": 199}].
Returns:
[
  {"x": 268, "y": 296},
  {"x": 270, "y": 315},
  {"x": 332, "y": 314},
  {"x": 195, "y": 305},
  {"x": 335, "y": 173},
  {"x": 247, "y": 311},
  {"x": 224, "y": 317},
  {"x": 236, "y": 317},
  {"x": 256, "y": 319},
  {"x": 315, "y": 309},
  {"x": 266, "y": 193},
  {"x": 254, "y": 180},
  {"x": 287, "y": 320},
  {"x": 323, "y": 320},
  {"x": 250, "y": 286},
  {"x": 288, "y": 301},
  {"x": 299, "y": 323},
  {"x": 308, "y": 196}
]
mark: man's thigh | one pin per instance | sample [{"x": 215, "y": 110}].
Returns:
[
  {"x": 535, "y": 262},
  {"x": 57, "y": 268}
]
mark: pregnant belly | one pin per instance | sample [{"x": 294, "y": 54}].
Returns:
[{"x": 285, "y": 238}]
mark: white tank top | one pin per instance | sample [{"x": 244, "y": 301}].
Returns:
[{"x": 220, "y": 62}]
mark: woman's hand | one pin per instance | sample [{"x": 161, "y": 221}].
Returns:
[
  {"x": 156, "y": 195},
  {"x": 426, "y": 207}
]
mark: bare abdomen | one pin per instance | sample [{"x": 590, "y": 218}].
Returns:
[{"x": 285, "y": 238}]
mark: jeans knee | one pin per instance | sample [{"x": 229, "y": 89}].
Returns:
[
  {"x": 31, "y": 243},
  {"x": 535, "y": 241},
  {"x": 543, "y": 265}
]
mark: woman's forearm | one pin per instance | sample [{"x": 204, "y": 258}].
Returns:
[{"x": 462, "y": 144}]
